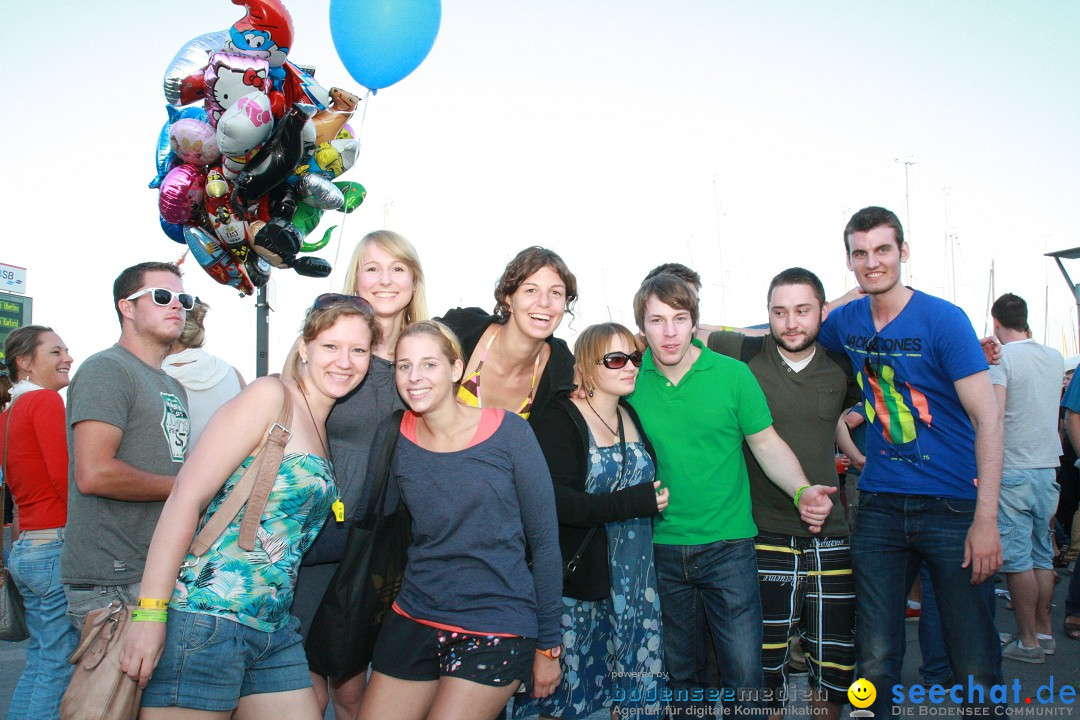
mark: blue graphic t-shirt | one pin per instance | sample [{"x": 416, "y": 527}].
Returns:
[{"x": 921, "y": 441}]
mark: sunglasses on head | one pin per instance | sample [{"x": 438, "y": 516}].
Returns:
[
  {"x": 164, "y": 297},
  {"x": 617, "y": 360},
  {"x": 327, "y": 300}
]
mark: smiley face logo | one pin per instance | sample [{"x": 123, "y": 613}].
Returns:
[{"x": 862, "y": 693}]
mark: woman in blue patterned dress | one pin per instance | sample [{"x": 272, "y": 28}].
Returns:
[
  {"x": 230, "y": 647},
  {"x": 606, "y": 495}
]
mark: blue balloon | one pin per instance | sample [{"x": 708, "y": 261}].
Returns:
[
  {"x": 174, "y": 232},
  {"x": 382, "y": 41}
]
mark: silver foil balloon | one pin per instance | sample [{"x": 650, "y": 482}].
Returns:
[
  {"x": 192, "y": 57},
  {"x": 319, "y": 192}
]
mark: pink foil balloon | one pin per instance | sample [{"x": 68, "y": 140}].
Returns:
[{"x": 181, "y": 192}]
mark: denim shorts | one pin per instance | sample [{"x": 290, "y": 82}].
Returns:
[
  {"x": 210, "y": 662},
  {"x": 1027, "y": 503}
]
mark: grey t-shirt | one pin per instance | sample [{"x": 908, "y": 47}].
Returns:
[
  {"x": 1031, "y": 374},
  {"x": 106, "y": 540}
]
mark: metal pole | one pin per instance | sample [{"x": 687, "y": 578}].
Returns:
[{"x": 262, "y": 333}]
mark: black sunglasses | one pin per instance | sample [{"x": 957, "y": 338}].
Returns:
[
  {"x": 871, "y": 347},
  {"x": 617, "y": 360},
  {"x": 164, "y": 297},
  {"x": 327, "y": 300}
]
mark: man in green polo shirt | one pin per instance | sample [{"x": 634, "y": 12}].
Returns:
[
  {"x": 805, "y": 579},
  {"x": 697, "y": 408}
]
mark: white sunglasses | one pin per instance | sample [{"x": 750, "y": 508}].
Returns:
[{"x": 164, "y": 297}]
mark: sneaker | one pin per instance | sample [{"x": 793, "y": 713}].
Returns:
[
  {"x": 912, "y": 613},
  {"x": 1048, "y": 644},
  {"x": 1013, "y": 651}
]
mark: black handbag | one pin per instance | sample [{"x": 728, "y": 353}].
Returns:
[{"x": 367, "y": 580}]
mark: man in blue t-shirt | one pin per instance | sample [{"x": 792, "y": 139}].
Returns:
[{"x": 929, "y": 491}]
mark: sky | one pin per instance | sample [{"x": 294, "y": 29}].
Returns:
[{"x": 736, "y": 137}]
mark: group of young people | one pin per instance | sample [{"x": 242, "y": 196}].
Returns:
[{"x": 581, "y": 522}]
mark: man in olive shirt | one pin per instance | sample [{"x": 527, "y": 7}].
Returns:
[
  {"x": 698, "y": 408},
  {"x": 805, "y": 579}
]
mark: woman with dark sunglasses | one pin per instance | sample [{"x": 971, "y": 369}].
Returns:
[{"x": 606, "y": 495}]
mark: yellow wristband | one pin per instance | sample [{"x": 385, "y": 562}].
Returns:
[
  {"x": 144, "y": 615},
  {"x": 153, "y": 603}
]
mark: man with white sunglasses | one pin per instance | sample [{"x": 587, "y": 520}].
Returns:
[{"x": 128, "y": 430}]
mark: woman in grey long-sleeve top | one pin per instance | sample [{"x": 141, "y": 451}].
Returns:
[
  {"x": 384, "y": 270},
  {"x": 472, "y": 620}
]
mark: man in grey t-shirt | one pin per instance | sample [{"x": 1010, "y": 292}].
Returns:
[
  {"x": 128, "y": 434},
  {"x": 1028, "y": 386}
]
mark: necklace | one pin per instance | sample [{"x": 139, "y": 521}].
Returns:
[
  {"x": 614, "y": 433},
  {"x": 326, "y": 448}
]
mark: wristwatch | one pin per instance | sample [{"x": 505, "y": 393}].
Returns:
[{"x": 554, "y": 653}]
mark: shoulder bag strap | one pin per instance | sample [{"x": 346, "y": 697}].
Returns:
[
  {"x": 252, "y": 490},
  {"x": 377, "y": 500}
]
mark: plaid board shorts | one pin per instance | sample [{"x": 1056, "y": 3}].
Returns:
[{"x": 807, "y": 585}]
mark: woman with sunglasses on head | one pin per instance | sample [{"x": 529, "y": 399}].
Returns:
[
  {"x": 230, "y": 647},
  {"x": 472, "y": 621},
  {"x": 514, "y": 360},
  {"x": 604, "y": 469},
  {"x": 385, "y": 270},
  {"x": 33, "y": 445}
]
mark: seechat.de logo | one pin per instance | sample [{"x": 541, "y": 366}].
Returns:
[{"x": 862, "y": 694}]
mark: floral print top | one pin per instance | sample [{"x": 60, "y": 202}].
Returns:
[{"x": 256, "y": 588}]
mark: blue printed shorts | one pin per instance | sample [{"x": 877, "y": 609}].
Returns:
[{"x": 210, "y": 662}]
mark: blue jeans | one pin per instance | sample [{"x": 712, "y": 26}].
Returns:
[
  {"x": 81, "y": 599},
  {"x": 718, "y": 582},
  {"x": 935, "y": 660},
  {"x": 36, "y": 571},
  {"x": 1072, "y": 596},
  {"x": 894, "y": 535}
]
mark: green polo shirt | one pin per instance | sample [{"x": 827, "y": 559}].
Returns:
[{"x": 697, "y": 428}]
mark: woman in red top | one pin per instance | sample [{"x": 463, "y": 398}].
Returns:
[{"x": 33, "y": 444}]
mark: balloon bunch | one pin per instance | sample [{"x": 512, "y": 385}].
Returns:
[{"x": 245, "y": 177}]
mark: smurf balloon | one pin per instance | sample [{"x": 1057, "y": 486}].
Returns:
[{"x": 265, "y": 32}]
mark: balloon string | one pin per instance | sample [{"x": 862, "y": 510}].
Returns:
[{"x": 345, "y": 216}]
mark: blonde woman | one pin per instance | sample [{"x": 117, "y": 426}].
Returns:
[
  {"x": 472, "y": 621},
  {"x": 384, "y": 270}
]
